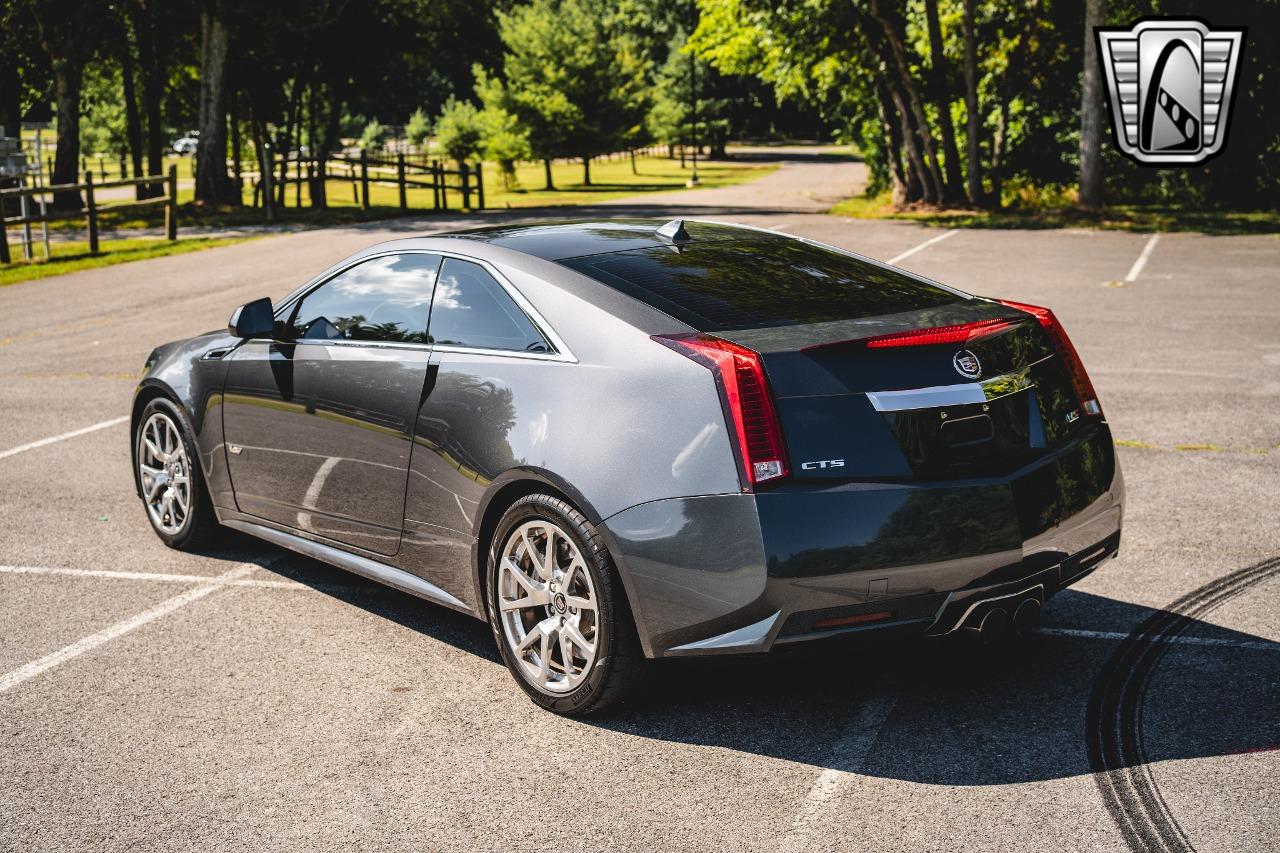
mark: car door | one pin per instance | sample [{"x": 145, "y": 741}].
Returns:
[
  {"x": 491, "y": 358},
  {"x": 319, "y": 421}
]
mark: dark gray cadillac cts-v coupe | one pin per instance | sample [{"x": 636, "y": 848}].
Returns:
[{"x": 625, "y": 440}]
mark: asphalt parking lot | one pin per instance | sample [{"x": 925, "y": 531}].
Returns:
[{"x": 250, "y": 698}]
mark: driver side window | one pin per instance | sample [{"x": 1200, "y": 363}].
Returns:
[{"x": 383, "y": 299}]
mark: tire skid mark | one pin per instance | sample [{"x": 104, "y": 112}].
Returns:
[{"x": 1113, "y": 722}]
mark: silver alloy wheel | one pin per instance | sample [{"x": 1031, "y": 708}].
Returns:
[
  {"x": 548, "y": 606},
  {"x": 165, "y": 473}
]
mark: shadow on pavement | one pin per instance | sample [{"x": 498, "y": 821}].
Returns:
[{"x": 964, "y": 714}]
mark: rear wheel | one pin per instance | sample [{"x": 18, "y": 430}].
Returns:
[
  {"x": 558, "y": 611},
  {"x": 169, "y": 477}
]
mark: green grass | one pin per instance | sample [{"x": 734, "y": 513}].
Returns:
[
  {"x": 1116, "y": 217},
  {"x": 71, "y": 257}
]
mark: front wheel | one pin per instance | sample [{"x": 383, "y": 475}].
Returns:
[
  {"x": 169, "y": 478},
  {"x": 558, "y": 611}
]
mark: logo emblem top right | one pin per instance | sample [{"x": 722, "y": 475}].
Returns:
[{"x": 1171, "y": 84}]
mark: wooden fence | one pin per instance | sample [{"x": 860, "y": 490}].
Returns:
[
  {"x": 92, "y": 209},
  {"x": 466, "y": 182}
]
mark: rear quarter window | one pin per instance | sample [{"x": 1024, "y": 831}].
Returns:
[{"x": 755, "y": 283}]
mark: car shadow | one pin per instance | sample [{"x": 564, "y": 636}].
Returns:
[{"x": 962, "y": 713}]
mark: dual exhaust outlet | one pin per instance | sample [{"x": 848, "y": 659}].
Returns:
[{"x": 996, "y": 618}]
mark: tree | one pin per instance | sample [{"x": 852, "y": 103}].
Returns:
[
  {"x": 1092, "y": 112},
  {"x": 459, "y": 132},
  {"x": 505, "y": 141},
  {"x": 70, "y": 37},
  {"x": 213, "y": 185},
  {"x": 418, "y": 128},
  {"x": 575, "y": 84},
  {"x": 373, "y": 136},
  {"x": 971, "y": 105}
]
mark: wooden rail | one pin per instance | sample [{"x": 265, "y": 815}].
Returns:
[
  {"x": 363, "y": 171},
  {"x": 91, "y": 208}
]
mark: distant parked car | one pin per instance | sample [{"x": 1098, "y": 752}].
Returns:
[
  {"x": 187, "y": 144},
  {"x": 626, "y": 440}
]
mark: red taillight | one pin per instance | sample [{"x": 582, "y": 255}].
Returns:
[
  {"x": 744, "y": 392},
  {"x": 959, "y": 334},
  {"x": 1067, "y": 352}
]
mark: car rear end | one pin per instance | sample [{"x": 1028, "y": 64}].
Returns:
[{"x": 908, "y": 455}]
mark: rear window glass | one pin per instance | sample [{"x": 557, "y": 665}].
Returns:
[{"x": 755, "y": 284}]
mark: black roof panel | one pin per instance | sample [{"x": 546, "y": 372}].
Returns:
[{"x": 557, "y": 241}]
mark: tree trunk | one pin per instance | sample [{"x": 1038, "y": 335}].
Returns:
[
  {"x": 586, "y": 171},
  {"x": 932, "y": 174},
  {"x": 1091, "y": 111},
  {"x": 546, "y": 167},
  {"x": 154, "y": 81},
  {"x": 971, "y": 106},
  {"x": 1008, "y": 82},
  {"x": 265, "y": 167},
  {"x": 634, "y": 171},
  {"x": 132, "y": 120},
  {"x": 10, "y": 99},
  {"x": 923, "y": 188},
  {"x": 67, "y": 74},
  {"x": 213, "y": 186},
  {"x": 893, "y": 147},
  {"x": 954, "y": 188}
]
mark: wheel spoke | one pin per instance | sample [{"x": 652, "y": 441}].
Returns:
[
  {"x": 580, "y": 603},
  {"x": 566, "y": 652},
  {"x": 544, "y": 655},
  {"x": 570, "y": 630}
]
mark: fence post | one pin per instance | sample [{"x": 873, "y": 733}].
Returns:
[
  {"x": 404, "y": 201},
  {"x": 435, "y": 184},
  {"x": 91, "y": 213},
  {"x": 4, "y": 236},
  {"x": 364, "y": 177},
  {"x": 123, "y": 168},
  {"x": 171, "y": 206},
  {"x": 297, "y": 192},
  {"x": 479, "y": 186},
  {"x": 466, "y": 185}
]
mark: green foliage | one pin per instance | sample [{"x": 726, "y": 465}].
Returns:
[
  {"x": 102, "y": 121},
  {"x": 373, "y": 136},
  {"x": 575, "y": 85},
  {"x": 505, "y": 140},
  {"x": 418, "y": 128},
  {"x": 459, "y": 131}
]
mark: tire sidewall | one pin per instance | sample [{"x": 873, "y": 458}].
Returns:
[
  {"x": 599, "y": 565},
  {"x": 190, "y": 528}
]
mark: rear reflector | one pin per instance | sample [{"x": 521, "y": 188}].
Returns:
[
  {"x": 958, "y": 334},
  {"x": 744, "y": 393},
  {"x": 857, "y": 619},
  {"x": 1089, "y": 404}
]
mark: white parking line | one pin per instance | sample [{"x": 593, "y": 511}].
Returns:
[
  {"x": 1141, "y": 262},
  {"x": 847, "y": 759},
  {"x": 162, "y": 577},
  {"x": 1180, "y": 639},
  {"x": 926, "y": 244},
  {"x": 22, "y": 448},
  {"x": 15, "y": 677}
]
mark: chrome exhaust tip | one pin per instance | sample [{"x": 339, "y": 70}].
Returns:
[
  {"x": 1026, "y": 617},
  {"x": 994, "y": 625}
]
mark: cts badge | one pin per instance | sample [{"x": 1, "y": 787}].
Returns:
[
  {"x": 1170, "y": 83},
  {"x": 821, "y": 464},
  {"x": 967, "y": 364}
]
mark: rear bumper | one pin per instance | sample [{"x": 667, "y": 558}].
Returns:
[{"x": 738, "y": 573}]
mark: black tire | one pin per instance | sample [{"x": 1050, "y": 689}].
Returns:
[
  {"x": 619, "y": 666},
  {"x": 200, "y": 524}
]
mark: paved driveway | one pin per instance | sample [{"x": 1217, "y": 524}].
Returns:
[{"x": 250, "y": 698}]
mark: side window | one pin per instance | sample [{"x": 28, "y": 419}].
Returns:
[
  {"x": 472, "y": 310},
  {"x": 386, "y": 298}
]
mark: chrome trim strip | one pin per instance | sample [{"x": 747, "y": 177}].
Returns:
[
  {"x": 927, "y": 398},
  {"x": 507, "y": 353},
  {"x": 740, "y": 639},
  {"x": 363, "y": 566}
]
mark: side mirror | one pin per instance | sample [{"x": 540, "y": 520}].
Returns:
[{"x": 253, "y": 319}]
